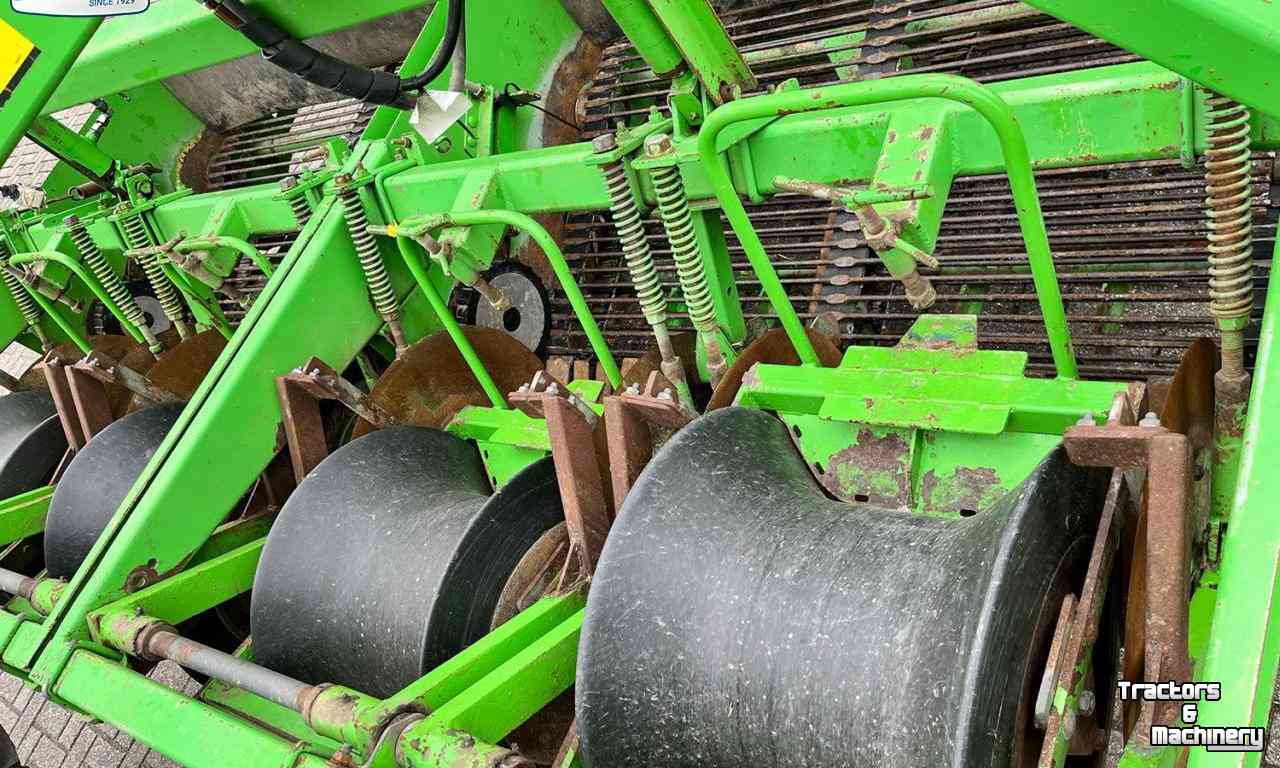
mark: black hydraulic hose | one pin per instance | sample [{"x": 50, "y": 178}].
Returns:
[
  {"x": 440, "y": 60},
  {"x": 367, "y": 85}
]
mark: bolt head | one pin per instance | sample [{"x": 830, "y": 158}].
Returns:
[
  {"x": 1087, "y": 703},
  {"x": 342, "y": 179},
  {"x": 1150, "y": 420},
  {"x": 605, "y": 142},
  {"x": 288, "y": 183},
  {"x": 658, "y": 145},
  {"x": 1087, "y": 420},
  {"x": 665, "y": 394},
  {"x": 72, "y": 220}
]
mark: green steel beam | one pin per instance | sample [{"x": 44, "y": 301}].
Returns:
[
  {"x": 73, "y": 149},
  {"x": 696, "y": 29},
  {"x": 1244, "y": 643},
  {"x": 35, "y": 54},
  {"x": 190, "y": 732},
  {"x": 23, "y": 516},
  {"x": 1233, "y": 49}
]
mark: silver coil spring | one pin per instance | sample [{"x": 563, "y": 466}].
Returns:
[
  {"x": 135, "y": 232},
  {"x": 635, "y": 244},
  {"x": 1229, "y": 209},
  {"x": 375, "y": 272},
  {"x": 26, "y": 304},
  {"x": 673, "y": 205},
  {"x": 92, "y": 258}
]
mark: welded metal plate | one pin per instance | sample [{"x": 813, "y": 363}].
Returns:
[
  {"x": 182, "y": 369},
  {"x": 429, "y": 384}
]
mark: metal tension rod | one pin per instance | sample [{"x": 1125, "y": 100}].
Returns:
[{"x": 983, "y": 100}]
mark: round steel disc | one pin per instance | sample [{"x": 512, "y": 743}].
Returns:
[
  {"x": 96, "y": 483},
  {"x": 181, "y": 370},
  {"x": 429, "y": 384},
  {"x": 31, "y": 442},
  {"x": 529, "y": 318},
  {"x": 390, "y": 558},
  {"x": 738, "y": 613},
  {"x": 773, "y": 348}
]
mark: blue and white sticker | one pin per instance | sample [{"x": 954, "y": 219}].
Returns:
[{"x": 81, "y": 7}]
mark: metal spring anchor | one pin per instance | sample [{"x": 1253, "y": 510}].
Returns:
[
  {"x": 26, "y": 304},
  {"x": 677, "y": 219},
  {"x": 92, "y": 258},
  {"x": 375, "y": 272},
  {"x": 1229, "y": 214},
  {"x": 298, "y": 203},
  {"x": 137, "y": 237},
  {"x": 639, "y": 257}
]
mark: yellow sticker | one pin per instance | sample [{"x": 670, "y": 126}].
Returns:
[{"x": 17, "y": 53}]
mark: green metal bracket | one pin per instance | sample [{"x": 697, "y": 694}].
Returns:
[
  {"x": 941, "y": 389},
  {"x": 23, "y": 516},
  {"x": 983, "y": 100}
]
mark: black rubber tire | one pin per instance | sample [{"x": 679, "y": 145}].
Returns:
[
  {"x": 31, "y": 442},
  {"x": 739, "y": 616},
  {"x": 8, "y": 751},
  {"x": 97, "y": 482},
  {"x": 390, "y": 557}
]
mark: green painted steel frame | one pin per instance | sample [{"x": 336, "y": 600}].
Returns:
[{"x": 316, "y": 302}]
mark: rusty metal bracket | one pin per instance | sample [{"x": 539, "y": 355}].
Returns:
[
  {"x": 300, "y": 393},
  {"x": 107, "y": 371},
  {"x": 54, "y": 370},
  {"x": 1166, "y": 457},
  {"x": 630, "y": 419},
  {"x": 571, "y": 426}
]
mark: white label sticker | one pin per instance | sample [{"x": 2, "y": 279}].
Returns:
[{"x": 81, "y": 7}]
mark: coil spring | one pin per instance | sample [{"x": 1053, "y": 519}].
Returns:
[
  {"x": 635, "y": 244},
  {"x": 135, "y": 232},
  {"x": 110, "y": 281},
  {"x": 375, "y": 272},
  {"x": 26, "y": 304},
  {"x": 301, "y": 210},
  {"x": 673, "y": 205},
  {"x": 1229, "y": 209}
]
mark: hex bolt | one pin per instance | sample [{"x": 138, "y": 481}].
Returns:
[
  {"x": 1150, "y": 420},
  {"x": 605, "y": 142},
  {"x": 1086, "y": 703}
]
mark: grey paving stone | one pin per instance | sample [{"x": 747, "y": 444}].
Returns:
[
  {"x": 104, "y": 754},
  {"x": 47, "y": 754}
]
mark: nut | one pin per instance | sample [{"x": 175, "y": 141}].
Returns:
[
  {"x": 657, "y": 145},
  {"x": 605, "y": 142}
]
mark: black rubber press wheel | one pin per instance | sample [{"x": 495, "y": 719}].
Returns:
[
  {"x": 739, "y": 616},
  {"x": 97, "y": 482},
  {"x": 390, "y": 558},
  {"x": 31, "y": 442}
]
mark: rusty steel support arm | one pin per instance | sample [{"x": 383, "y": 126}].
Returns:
[{"x": 1166, "y": 457}]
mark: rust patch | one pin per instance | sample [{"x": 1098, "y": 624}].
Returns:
[
  {"x": 967, "y": 490},
  {"x": 876, "y": 470}
]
